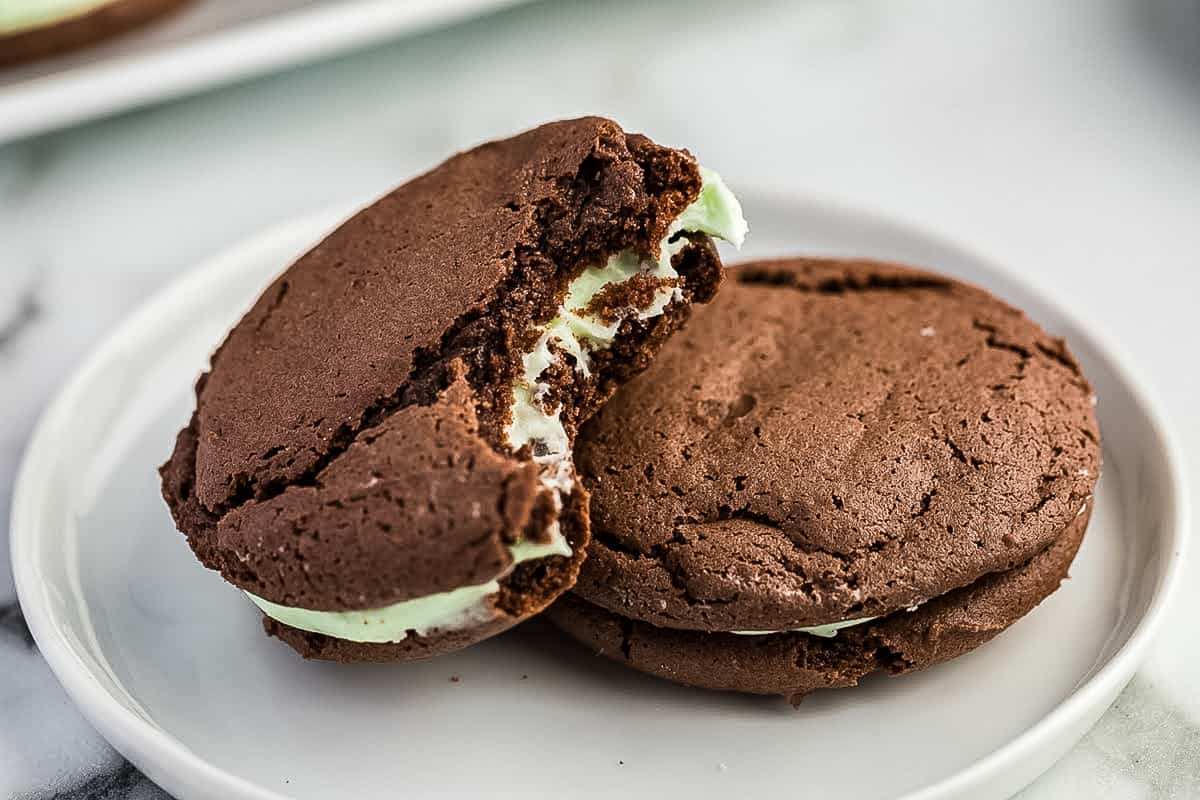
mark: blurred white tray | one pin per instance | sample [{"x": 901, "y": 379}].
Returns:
[{"x": 208, "y": 43}]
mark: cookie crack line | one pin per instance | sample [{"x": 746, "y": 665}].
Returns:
[
  {"x": 1055, "y": 354},
  {"x": 678, "y": 573},
  {"x": 766, "y": 273},
  {"x": 673, "y": 572},
  {"x": 347, "y": 434},
  {"x": 276, "y": 302},
  {"x": 763, "y": 274},
  {"x": 724, "y": 513}
]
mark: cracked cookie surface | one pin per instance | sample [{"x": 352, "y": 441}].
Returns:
[{"x": 833, "y": 440}]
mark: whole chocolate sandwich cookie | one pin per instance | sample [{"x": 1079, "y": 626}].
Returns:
[
  {"x": 381, "y": 452},
  {"x": 842, "y": 467},
  {"x": 34, "y": 29}
]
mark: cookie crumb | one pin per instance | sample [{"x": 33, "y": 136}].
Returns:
[{"x": 455, "y": 679}]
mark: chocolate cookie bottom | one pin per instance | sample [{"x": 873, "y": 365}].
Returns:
[
  {"x": 794, "y": 664},
  {"x": 527, "y": 591}
]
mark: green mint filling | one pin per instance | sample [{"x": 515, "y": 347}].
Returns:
[
  {"x": 715, "y": 212},
  {"x": 827, "y": 631}
]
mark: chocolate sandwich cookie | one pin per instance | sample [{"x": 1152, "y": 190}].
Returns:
[
  {"x": 381, "y": 452},
  {"x": 841, "y": 467},
  {"x": 34, "y": 29}
]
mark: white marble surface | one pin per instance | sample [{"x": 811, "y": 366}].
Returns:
[{"x": 1063, "y": 138}]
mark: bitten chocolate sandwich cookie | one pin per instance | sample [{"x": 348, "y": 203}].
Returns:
[{"x": 381, "y": 452}]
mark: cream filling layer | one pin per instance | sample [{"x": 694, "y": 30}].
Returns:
[
  {"x": 572, "y": 331},
  {"x": 575, "y": 332},
  {"x": 826, "y": 631},
  {"x": 451, "y": 610}
]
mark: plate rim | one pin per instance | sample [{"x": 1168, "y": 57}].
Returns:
[{"x": 169, "y": 761}]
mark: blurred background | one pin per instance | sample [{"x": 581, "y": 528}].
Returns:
[{"x": 1062, "y": 139}]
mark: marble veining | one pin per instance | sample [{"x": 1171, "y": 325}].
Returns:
[
  {"x": 1144, "y": 736},
  {"x": 124, "y": 782},
  {"x": 12, "y": 625},
  {"x": 1062, "y": 140},
  {"x": 24, "y": 314}
]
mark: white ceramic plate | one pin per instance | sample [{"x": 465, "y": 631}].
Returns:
[
  {"x": 207, "y": 43},
  {"x": 170, "y": 664}
]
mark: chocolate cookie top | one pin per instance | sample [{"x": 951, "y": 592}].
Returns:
[
  {"x": 833, "y": 440},
  {"x": 352, "y": 329}
]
